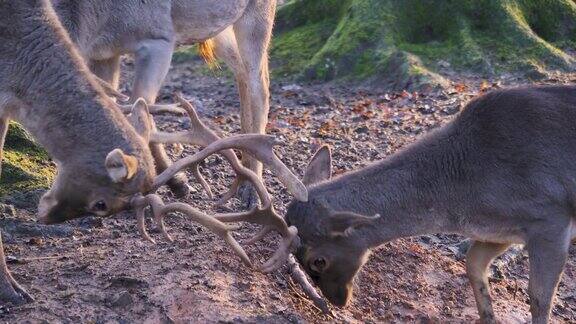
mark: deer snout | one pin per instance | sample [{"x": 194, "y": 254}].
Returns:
[
  {"x": 338, "y": 295},
  {"x": 56, "y": 216}
]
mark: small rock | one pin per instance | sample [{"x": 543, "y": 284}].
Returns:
[
  {"x": 291, "y": 87},
  {"x": 61, "y": 287},
  {"x": 123, "y": 299},
  {"x": 210, "y": 284},
  {"x": 91, "y": 298},
  {"x": 362, "y": 130},
  {"x": 36, "y": 241},
  {"x": 460, "y": 249},
  {"x": 443, "y": 64},
  {"x": 116, "y": 234},
  {"x": 7, "y": 211}
]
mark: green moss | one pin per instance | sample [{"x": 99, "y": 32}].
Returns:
[
  {"x": 299, "y": 13},
  {"x": 25, "y": 165},
  {"x": 299, "y": 45},
  {"x": 485, "y": 36}
]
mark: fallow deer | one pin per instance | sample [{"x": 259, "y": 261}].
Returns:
[
  {"x": 104, "y": 164},
  {"x": 503, "y": 172},
  {"x": 46, "y": 86},
  {"x": 238, "y": 30}
]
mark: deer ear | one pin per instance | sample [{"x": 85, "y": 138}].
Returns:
[
  {"x": 121, "y": 167},
  {"x": 140, "y": 119},
  {"x": 341, "y": 222},
  {"x": 319, "y": 168}
]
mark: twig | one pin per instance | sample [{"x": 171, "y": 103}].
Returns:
[
  {"x": 11, "y": 259},
  {"x": 300, "y": 277}
]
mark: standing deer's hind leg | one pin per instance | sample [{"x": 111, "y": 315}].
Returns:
[
  {"x": 478, "y": 259},
  {"x": 547, "y": 256},
  {"x": 10, "y": 290},
  {"x": 152, "y": 64},
  {"x": 253, "y": 32},
  {"x": 226, "y": 48},
  {"x": 253, "y": 35}
]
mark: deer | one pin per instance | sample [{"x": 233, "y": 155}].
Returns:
[
  {"x": 236, "y": 31},
  {"x": 46, "y": 87},
  {"x": 104, "y": 163},
  {"x": 502, "y": 172}
]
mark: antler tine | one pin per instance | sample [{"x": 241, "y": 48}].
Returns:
[
  {"x": 160, "y": 210},
  {"x": 267, "y": 217},
  {"x": 200, "y": 134},
  {"x": 203, "y": 182},
  {"x": 259, "y": 146}
]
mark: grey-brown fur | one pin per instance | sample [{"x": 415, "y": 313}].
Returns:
[
  {"x": 503, "y": 172},
  {"x": 45, "y": 86},
  {"x": 106, "y": 29}
]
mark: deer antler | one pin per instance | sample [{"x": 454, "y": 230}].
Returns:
[
  {"x": 153, "y": 108},
  {"x": 261, "y": 148},
  {"x": 160, "y": 210}
]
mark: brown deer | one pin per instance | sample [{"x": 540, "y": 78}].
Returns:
[
  {"x": 502, "y": 172},
  {"x": 45, "y": 86},
  {"x": 238, "y": 30}
]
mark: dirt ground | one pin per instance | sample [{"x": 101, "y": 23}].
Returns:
[{"x": 101, "y": 271}]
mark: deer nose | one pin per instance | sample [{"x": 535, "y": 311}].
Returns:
[
  {"x": 339, "y": 296},
  {"x": 48, "y": 220}
]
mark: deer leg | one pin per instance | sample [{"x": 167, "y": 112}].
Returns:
[
  {"x": 253, "y": 32},
  {"x": 107, "y": 70},
  {"x": 152, "y": 64},
  {"x": 4, "y": 124},
  {"x": 253, "y": 37},
  {"x": 226, "y": 48},
  {"x": 10, "y": 290},
  {"x": 547, "y": 255},
  {"x": 478, "y": 259}
]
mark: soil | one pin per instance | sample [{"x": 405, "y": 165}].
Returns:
[{"x": 101, "y": 271}]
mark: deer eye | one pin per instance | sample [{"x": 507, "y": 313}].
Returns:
[
  {"x": 100, "y": 206},
  {"x": 319, "y": 264}
]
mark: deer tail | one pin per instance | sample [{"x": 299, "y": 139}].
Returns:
[{"x": 206, "y": 50}]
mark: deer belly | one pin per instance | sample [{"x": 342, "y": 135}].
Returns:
[
  {"x": 199, "y": 20},
  {"x": 503, "y": 236}
]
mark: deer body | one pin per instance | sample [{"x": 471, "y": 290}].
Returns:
[
  {"x": 45, "y": 86},
  {"x": 502, "y": 172},
  {"x": 106, "y": 29}
]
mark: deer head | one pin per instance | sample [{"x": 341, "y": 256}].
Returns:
[
  {"x": 104, "y": 186},
  {"x": 330, "y": 251}
]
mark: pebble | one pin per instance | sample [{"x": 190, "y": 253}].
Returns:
[{"x": 123, "y": 299}]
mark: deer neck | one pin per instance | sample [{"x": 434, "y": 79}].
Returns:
[{"x": 415, "y": 192}]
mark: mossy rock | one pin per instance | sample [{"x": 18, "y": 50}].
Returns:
[
  {"x": 25, "y": 165},
  {"x": 358, "y": 39}
]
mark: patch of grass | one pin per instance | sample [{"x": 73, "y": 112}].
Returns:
[{"x": 25, "y": 166}]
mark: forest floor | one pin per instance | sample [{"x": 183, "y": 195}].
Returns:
[{"x": 102, "y": 271}]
